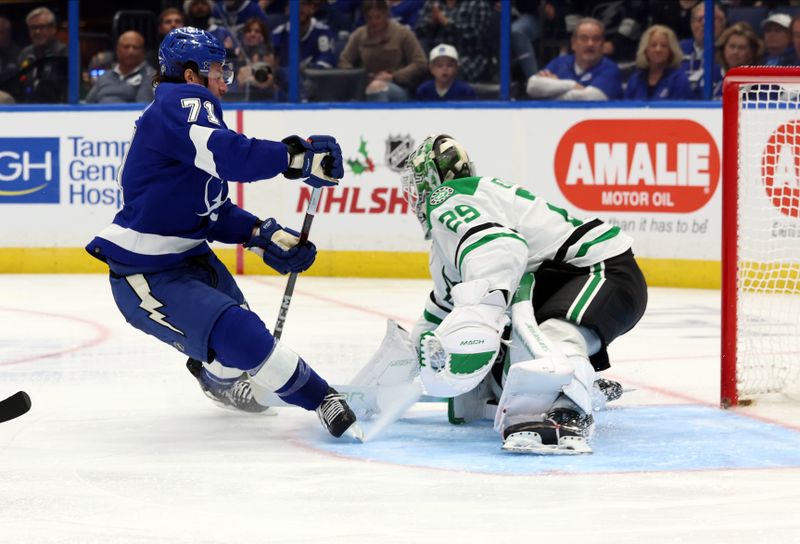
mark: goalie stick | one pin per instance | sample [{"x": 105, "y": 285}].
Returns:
[
  {"x": 382, "y": 390},
  {"x": 14, "y": 406}
]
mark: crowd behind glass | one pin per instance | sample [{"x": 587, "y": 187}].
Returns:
[{"x": 418, "y": 50}]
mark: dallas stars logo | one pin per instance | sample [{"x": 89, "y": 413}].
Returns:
[{"x": 440, "y": 195}]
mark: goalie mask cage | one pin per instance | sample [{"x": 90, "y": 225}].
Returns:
[{"x": 760, "y": 353}]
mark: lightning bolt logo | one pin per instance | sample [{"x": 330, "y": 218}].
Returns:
[{"x": 149, "y": 303}]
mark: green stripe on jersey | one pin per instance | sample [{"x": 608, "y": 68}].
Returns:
[
  {"x": 430, "y": 318},
  {"x": 563, "y": 213},
  {"x": 524, "y": 193},
  {"x": 587, "y": 294},
  {"x": 486, "y": 240},
  {"x": 610, "y": 233}
]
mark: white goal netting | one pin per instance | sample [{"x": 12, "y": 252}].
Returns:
[{"x": 768, "y": 240}]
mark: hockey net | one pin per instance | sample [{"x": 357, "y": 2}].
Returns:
[{"x": 761, "y": 235}]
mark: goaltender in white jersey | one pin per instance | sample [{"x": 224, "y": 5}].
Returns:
[{"x": 526, "y": 299}]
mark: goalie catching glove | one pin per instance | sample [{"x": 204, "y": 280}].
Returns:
[
  {"x": 317, "y": 160},
  {"x": 456, "y": 356},
  {"x": 280, "y": 249}
]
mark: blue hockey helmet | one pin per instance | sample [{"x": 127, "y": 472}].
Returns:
[{"x": 187, "y": 44}]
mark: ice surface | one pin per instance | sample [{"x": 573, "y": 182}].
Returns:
[{"x": 121, "y": 445}]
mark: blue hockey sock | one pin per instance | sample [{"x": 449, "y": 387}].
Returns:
[
  {"x": 305, "y": 388},
  {"x": 240, "y": 339}
]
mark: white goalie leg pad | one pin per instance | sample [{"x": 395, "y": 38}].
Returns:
[
  {"x": 573, "y": 339},
  {"x": 530, "y": 389},
  {"x": 460, "y": 352},
  {"x": 394, "y": 363},
  {"x": 578, "y": 343},
  {"x": 277, "y": 368},
  {"x": 475, "y": 404},
  {"x": 579, "y": 389}
]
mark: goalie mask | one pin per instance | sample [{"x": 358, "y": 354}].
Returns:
[{"x": 437, "y": 160}]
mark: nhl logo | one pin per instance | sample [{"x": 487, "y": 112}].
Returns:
[{"x": 398, "y": 148}]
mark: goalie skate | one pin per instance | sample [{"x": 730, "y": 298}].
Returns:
[{"x": 563, "y": 432}]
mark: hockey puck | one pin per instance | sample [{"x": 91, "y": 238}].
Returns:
[{"x": 14, "y": 406}]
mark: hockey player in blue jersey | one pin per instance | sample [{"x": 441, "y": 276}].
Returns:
[{"x": 165, "y": 279}]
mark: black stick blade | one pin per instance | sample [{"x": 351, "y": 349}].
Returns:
[{"x": 14, "y": 406}]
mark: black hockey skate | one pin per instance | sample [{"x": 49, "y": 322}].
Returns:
[
  {"x": 238, "y": 396},
  {"x": 563, "y": 432},
  {"x": 610, "y": 389},
  {"x": 336, "y": 416}
]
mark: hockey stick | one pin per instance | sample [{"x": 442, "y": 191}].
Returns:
[
  {"x": 14, "y": 406},
  {"x": 311, "y": 210}
]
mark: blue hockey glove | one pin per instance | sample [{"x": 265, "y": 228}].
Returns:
[
  {"x": 279, "y": 248},
  {"x": 317, "y": 160}
]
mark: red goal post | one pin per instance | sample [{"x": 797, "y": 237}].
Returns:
[{"x": 760, "y": 355}]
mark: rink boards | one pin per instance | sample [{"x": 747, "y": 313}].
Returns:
[{"x": 654, "y": 172}]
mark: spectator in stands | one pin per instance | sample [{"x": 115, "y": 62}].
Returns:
[
  {"x": 167, "y": 20},
  {"x": 738, "y": 45},
  {"x": 693, "y": 47},
  {"x": 584, "y": 75},
  {"x": 340, "y": 16},
  {"x": 275, "y": 11},
  {"x": 778, "y": 50},
  {"x": 624, "y": 24},
  {"x": 463, "y": 23},
  {"x": 796, "y": 40},
  {"x": 260, "y": 76},
  {"x": 659, "y": 76},
  {"x": 131, "y": 78},
  {"x": 45, "y": 60},
  {"x": 388, "y": 51},
  {"x": 198, "y": 15},
  {"x": 9, "y": 51},
  {"x": 444, "y": 85},
  {"x": 676, "y": 14},
  {"x": 232, "y": 14},
  {"x": 525, "y": 31},
  {"x": 316, "y": 40},
  {"x": 406, "y": 12}
]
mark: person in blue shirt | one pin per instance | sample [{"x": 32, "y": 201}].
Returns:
[
  {"x": 778, "y": 50},
  {"x": 165, "y": 279},
  {"x": 586, "y": 74},
  {"x": 693, "y": 58},
  {"x": 659, "y": 76},
  {"x": 198, "y": 15},
  {"x": 316, "y": 40},
  {"x": 738, "y": 45},
  {"x": 233, "y": 14},
  {"x": 444, "y": 85}
]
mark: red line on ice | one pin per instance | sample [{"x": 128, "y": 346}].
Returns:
[{"x": 101, "y": 335}]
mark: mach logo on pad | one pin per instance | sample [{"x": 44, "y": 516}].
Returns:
[{"x": 29, "y": 171}]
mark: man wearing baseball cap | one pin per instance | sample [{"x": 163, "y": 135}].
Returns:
[
  {"x": 443, "y": 65},
  {"x": 778, "y": 49}
]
